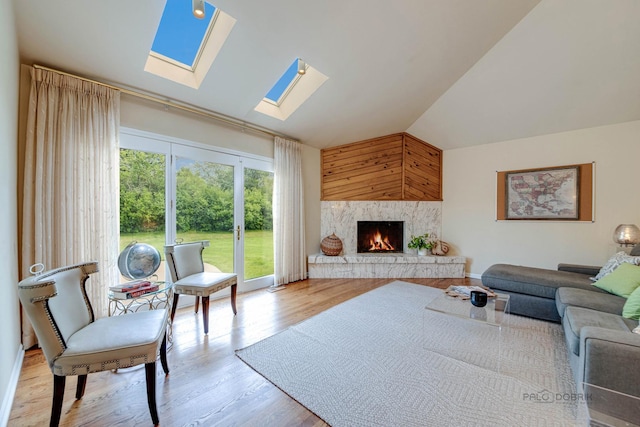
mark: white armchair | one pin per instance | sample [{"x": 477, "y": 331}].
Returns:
[
  {"x": 75, "y": 343},
  {"x": 189, "y": 278}
]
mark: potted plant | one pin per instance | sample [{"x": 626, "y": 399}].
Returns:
[{"x": 421, "y": 243}]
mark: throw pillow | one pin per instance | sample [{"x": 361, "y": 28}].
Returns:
[
  {"x": 631, "y": 309},
  {"x": 622, "y": 282},
  {"x": 615, "y": 261}
]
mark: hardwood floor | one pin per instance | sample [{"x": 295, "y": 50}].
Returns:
[{"x": 208, "y": 385}]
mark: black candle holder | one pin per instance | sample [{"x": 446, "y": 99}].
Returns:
[{"x": 478, "y": 298}]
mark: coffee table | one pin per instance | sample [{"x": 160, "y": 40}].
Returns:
[
  {"x": 488, "y": 323},
  {"x": 494, "y": 313}
]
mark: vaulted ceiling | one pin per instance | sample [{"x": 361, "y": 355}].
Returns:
[{"x": 454, "y": 73}]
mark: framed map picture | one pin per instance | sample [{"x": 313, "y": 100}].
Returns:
[{"x": 550, "y": 193}]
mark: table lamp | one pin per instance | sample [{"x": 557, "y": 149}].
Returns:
[{"x": 626, "y": 235}]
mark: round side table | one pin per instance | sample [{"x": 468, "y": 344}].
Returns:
[{"x": 156, "y": 300}]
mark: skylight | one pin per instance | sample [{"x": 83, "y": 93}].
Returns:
[
  {"x": 184, "y": 46},
  {"x": 287, "y": 80},
  {"x": 180, "y": 34},
  {"x": 290, "y": 91}
]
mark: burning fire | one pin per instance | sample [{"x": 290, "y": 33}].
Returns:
[{"x": 378, "y": 243}]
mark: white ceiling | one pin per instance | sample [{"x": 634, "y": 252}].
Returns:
[{"x": 452, "y": 72}]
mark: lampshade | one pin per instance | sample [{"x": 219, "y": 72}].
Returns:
[
  {"x": 627, "y": 234},
  {"x": 198, "y": 8}
]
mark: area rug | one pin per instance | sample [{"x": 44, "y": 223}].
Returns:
[{"x": 382, "y": 359}]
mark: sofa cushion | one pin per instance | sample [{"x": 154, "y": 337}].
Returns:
[
  {"x": 589, "y": 270},
  {"x": 631, "y": 309},
  {"x": 622, "y": 281},
  {"x": 599, "y": 301},
  {"x": 575, "y": 318},
  {"x": 615, "y": 261},
  {"x": 532, "y": 306},
  {"x": 533, "y": 281}
]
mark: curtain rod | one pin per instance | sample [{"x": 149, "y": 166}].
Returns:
[{"x": 184, "y": 107}]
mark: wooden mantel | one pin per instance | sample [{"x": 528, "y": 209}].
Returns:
[{"x": 392, "y": 167}]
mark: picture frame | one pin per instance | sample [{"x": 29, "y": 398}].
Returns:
[{"x": 543, "y": 194}]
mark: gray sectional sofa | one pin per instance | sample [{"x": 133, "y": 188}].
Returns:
[
  {"x": 603, "y": 350},
  {"x": 533, "y": 290}
]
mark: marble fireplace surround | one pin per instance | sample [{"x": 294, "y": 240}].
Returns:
[{"x": 341, "y": 218}]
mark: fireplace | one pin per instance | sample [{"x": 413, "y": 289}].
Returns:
[{"x": 380, "y": 236}]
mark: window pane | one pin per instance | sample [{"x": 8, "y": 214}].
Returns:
[
  {"x": 258, "y": 223},
  {"x": 180, "y": 35},
  {"x": 204, "y": 210},
  {"x": 142, "y": 200},
  {"x": 283, "y": 83}
]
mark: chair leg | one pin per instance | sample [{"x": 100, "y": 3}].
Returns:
[
  {"x": 174, "y": 306},
  {"x": 197, "y": 304},
  {"x": 58, "y": 396},
  {"x": 233, "y": 298},
  {"x": 82, "y": 382},
  {"x": 150, "y": 374},
  {"x": 205, "y": 314},
  {"x": 163, "y": 355}
]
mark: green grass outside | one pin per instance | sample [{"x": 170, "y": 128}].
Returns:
[{"x": 258, "y": 249}]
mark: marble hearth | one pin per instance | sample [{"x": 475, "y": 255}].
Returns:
[
  {"x": 375, "y": 266},
  {"x": 341, "y": 217}
]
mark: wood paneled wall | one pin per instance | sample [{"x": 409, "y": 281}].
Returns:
[{"x": 392, "y": 167}]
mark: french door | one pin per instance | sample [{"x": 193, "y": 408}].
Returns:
[{"x": 207, "y": 195}]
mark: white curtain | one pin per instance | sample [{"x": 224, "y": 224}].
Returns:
[
  {"x": 288, "y": 213},
  {"x": 70, "y": 208}
]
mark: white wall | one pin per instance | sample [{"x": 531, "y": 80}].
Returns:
[
  {"x": 469, "y": 207},
  {"x": 9, "y": 308},
  {"x": 153, "y": 117},
  {"x": 150, "y": 116}
]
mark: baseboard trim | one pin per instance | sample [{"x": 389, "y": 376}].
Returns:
[
  {"x": 474, "y": 275},
  {"x": 7, "y": 402}
]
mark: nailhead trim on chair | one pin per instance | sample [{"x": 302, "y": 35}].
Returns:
[
  {"x": 40, "y": 285},
  {"x": 44, "y": 297},
  {"x": 189, "y": 290},
  {"x": 83, "y": 369},
  {"x": 83, "y": 266},
  {"x": 70, "y": 267},
  {"x": 61, "y": 341}
]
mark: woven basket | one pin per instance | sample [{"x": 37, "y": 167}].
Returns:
[{"x": 331, "y": 245}]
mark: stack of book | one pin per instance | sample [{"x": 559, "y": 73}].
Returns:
[
  {"x": 464, "y": 292},
  {"x": 133, "y": 289}
]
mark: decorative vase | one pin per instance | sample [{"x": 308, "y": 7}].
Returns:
[
  {"x": 422, "y": 251},
  {"x": 440, "y": 248},
  {"x": 331, "y": 245}
]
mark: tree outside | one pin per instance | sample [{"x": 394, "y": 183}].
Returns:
[{"x": 204, "y": 208}]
